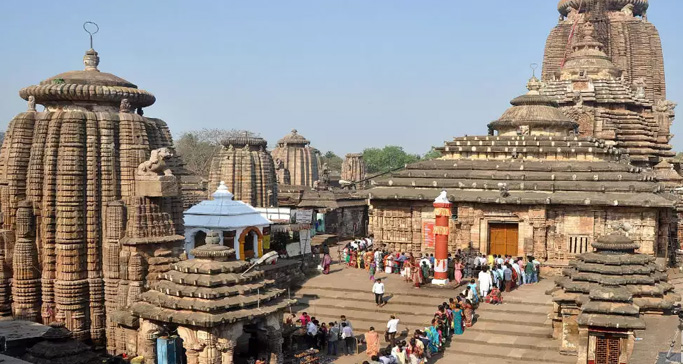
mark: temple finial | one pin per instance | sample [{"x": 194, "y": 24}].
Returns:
[{"x": 91, "y": 60}]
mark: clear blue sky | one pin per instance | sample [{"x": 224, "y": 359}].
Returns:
[{"x": 348, "y": 74}]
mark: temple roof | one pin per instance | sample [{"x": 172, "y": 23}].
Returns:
[
  {"x": 210, "y": 290},
  {"x": 223, "y": 212},
  {"x": 533, "y": 109},
  {"x": 525, "y": 182},
  {"x": 58, "y": 347},
  {"x": 89, "y": 85},
  {"x": 293, "y": 138},
  {"x": 243, "y": 140},
  {"x": 639, "y": 6},
  {"x": 613, "y": 284}
]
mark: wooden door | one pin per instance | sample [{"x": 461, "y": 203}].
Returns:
[{"x": 503, "y": 239}]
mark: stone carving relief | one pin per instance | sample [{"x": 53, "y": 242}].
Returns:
[
  {"x": 639, "y": 87},
  {"x": 31, "y": 103},
  {"x": 156, "y": 165},
  {"x": 125, "y": 106},
  {"x": 628, "y": 10}
]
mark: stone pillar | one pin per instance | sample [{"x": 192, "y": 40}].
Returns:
[
  {"x": 442, "y": 213},
  {"x": 227, "y": 349},
  {"x": 275, "y": 341}
]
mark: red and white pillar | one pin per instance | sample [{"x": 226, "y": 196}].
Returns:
[{"x": 442, "y": 212}]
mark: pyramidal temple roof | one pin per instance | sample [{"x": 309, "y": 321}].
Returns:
[{"x": 210, "y": 290}]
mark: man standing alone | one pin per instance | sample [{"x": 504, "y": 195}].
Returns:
[{"x": 378, "y": 290}]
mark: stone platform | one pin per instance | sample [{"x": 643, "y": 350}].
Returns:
[{"x": 517, "y": 331}]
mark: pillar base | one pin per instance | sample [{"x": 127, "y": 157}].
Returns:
[{"x": 439, "y": 282}]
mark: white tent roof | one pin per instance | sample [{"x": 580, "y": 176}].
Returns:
[{"x": 223, "y": 213}]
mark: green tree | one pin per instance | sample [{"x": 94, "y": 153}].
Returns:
[
  {"x": 334, "y": 162},
  {"x": 388, "y": 158},
  {"x": 198, "y": 147},
  {"x": 432, "y": 154}
]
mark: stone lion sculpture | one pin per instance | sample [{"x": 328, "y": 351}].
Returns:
[{"x": 156, "y": 165}]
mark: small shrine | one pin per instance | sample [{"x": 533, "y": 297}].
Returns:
[
  {"x": 215, "y": 303},
  {"x": 59, "y": 347},
  {"x": 239, "y": 225},
  {"x": 599, "y": 301}
]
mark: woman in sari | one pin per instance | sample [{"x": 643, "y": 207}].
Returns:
[
  {"x": 468, "y": 309},
  {"x": 352, "y": 259},
  {"x": 372, "y": 270},
  {"x": 397, "y": 263},
  {"x": 416, "y": 274},
  {"x": 368, "y": 260},
  {"x": 346, "y": 255},
  {"x": 432, "y": 334},
  {"x": 457, "y": 320},
  {"x": 372, "y": 342},
  {"x": 425, "y": 271},
  {"x": 458, "y": 271},
  {"x": 327, "y": 261}
]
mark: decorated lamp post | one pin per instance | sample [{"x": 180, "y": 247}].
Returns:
[{"x": 442, "y": 211}]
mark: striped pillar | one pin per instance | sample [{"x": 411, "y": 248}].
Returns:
[{"x": 442, "y": 212}]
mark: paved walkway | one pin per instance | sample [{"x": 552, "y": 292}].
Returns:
[{"x": 516, "y": 331}]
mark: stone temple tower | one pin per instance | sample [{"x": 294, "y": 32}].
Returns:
[
  {"x": 353, "y": 168},
  {"x": 603, "y": 64},
  {"x": 88, "y": 198},
  {"x": 301, "y": 162},
  {"x": 247, "y": 169},
  {"x": 632, "y": 43}
]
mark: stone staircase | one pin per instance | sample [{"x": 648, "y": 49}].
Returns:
[{"x": 517, "y": 331}]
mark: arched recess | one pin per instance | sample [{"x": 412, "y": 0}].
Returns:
[{"x": 243, "y": 240}]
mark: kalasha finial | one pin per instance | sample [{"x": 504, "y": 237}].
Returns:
[
  {"x": 294, "y": 131},
  {"x": 91, "y": 60}
]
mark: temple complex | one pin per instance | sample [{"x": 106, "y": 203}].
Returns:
[
  {"x": 296, "y": 162},
  {"x": 247, "y": 169},
  {"x": 599, "y": 300},
  {"x": 211, "y": 301},
  {"x": 91, "y": 207},
  {"x": 535, "y": 188}
]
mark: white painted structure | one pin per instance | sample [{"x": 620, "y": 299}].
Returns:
[{"x": 238, "y": 224}]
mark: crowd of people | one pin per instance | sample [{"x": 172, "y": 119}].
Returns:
[
  {"x": 420, "y": 345},
  {"x": 482, "y": 279}
]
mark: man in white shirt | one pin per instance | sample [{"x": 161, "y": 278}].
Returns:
[
  {"x": 378, "y": 290},
  {"x": 485, "y": 282},
  {"x": 392, "y": 329}
]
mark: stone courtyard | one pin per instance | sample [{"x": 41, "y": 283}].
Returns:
[{"x": 517, "y": 331}]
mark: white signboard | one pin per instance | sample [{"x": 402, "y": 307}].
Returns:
[
  {"x": 304, "y": 216},
  {"x": 303, "y": 245}
]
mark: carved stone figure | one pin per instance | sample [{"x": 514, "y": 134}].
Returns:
[
  {"x": 639, "y": 86},
  {"x": 628, "y": 10},
  {"x": 125, "y": 107},
  {"x": 31, "y": 103},
  {"x": 156, "y": 165}
]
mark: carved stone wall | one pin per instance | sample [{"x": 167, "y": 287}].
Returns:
[
  {"x": 353, "y": 168},
  {"x": 301, "y": 161},
  {"x": 543, "y": 231}
]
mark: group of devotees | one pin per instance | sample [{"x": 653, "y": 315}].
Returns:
[{"x": 481, "y": 277}]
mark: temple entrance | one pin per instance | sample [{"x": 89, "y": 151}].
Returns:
[
  {"x": 199, "y": 239},
  {"x": 252, "y": 344},
  {"x": 503, "y": 239},
  {"x": 250, "y": 244},
  {"x": 607, "y": 349}
]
